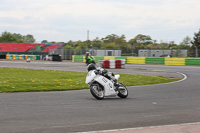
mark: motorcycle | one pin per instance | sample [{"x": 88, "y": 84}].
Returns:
[
  {"x": 90, "y": 60},
  {"x": 101, "y": 87}
]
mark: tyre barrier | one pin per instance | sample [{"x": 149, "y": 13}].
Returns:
[
  {"x": 22, "y": 57},
  {"x": 112, "y": 63}
]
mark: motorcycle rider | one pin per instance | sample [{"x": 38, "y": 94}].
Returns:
[
  {"x": 103, "y": 72},
  {"x": 87, "y": 55}
]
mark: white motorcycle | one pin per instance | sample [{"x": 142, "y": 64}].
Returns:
[{"x": 101, "y": 87}]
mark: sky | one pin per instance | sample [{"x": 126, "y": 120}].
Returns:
[{"x": 64, "y": 20}]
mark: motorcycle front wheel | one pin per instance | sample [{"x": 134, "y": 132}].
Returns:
[
  {"x": 122, "y": 91},
  {"x": 97, "y": 91}
]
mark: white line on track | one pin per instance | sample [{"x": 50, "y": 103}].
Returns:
[
  {"x": 118, "y": 130},
  {"x": 184, "y": 78},
  {"x": 126, "y": 129}
]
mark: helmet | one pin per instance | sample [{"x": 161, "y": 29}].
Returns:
[
  {"x": 91, "y": 67},
  {"x": 87, "y": 53}
]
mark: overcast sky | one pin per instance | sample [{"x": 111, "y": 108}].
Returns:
[{"x": 64, "y": 20}]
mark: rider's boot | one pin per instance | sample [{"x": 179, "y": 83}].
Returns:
[{"x": 116, "y": 84}]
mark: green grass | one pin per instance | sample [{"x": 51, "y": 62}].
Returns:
[{"x": 25, "y": 80}]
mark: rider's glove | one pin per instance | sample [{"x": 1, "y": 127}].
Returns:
[{"x": 104, "y": 71}]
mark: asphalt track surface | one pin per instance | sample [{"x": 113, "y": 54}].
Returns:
[{"x": 78, "y": 111}]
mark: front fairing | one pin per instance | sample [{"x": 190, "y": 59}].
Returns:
[
  {"x": 90, "y": 76},
  {"x": 91, "y": 60},
  {"x": 117, "y": 76}
]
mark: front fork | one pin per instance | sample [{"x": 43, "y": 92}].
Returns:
[{"x": 95, "y": 84}]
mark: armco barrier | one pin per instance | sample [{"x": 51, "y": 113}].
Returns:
[
  {"x": 97, "y": 58},
  {"x": 77, "y": 58},
  {"x": 143, "y": 60},
  {"x": 135, "y": 60},
  {"x": 175, "y": 61},
  {"x": 192, "y": 62},
  {"x": 155, "y": 60},
  {"x": 73, "y": 58},
  {"x": 109, "y": 57}
]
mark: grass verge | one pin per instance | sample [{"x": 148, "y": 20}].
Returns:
[{"x": 25, "y": 80}]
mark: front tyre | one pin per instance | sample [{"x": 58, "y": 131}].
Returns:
[
  {"x": 123, "y": 91},
  {"x": 97, "y": 91}
]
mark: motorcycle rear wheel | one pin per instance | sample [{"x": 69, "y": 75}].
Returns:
[
  {"x": 97, "y": 91},
  {"x": 123, "y": 91}
]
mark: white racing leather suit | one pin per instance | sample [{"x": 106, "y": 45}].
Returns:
[{"x": 107, "y": 74}]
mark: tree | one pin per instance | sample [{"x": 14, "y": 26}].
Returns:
[
  {"x": 44, "y": 41},
  {"x": 141, "y": 39},
  {"x": 29, "y": 38},
  {"x": 69, "y": 44},
  {"x": 110, "y": 45},
  {"x": 7, "y": 37},
  {"x": 121, "y": 42},
  {"x": 196, "y": 42},
  {"x": 96, "y": 43},
  {"x": 15, "y": 37},
  {"x": 171, "y": 45},
  {"x": 186, "y": 41},
  {"x": 114, "y": 41},
  {"x": 144, "y": 39},
  {"x": 140, "y": 42},
  {"x": 18, "y": 37},
  {"x": 151, "y": 46},
  {"x": 110, "y": 38}
]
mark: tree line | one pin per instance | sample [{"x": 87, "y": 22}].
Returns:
[
  {"x": 8, "y": 37},
  {"x": 114, "y": 41}
]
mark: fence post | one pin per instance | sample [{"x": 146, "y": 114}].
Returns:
[
  {"x": 196, "y": 51},
  {"x": 70, "y": 54}
]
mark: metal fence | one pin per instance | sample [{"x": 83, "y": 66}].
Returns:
[{"x": 67, "y": 53}]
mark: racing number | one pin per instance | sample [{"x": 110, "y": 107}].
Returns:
[{"x": 104, "y": 80}]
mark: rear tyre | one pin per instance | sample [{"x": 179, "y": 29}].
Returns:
[
  {"x": 123, "y": 91},
  {"x": 93, "y": 62},
  {"x": 97, "y": 91}
]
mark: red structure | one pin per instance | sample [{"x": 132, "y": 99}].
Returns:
[
  {"x": 24, "y": 47},
  {"x": 51, "y": 47},
  {"x": 106, "y": 64},
  {"x": 113, "y": 64}
]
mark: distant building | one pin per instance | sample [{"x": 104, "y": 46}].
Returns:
[
  {"x": 162, "y": 52},
  {"x": 105, "y": 52}
]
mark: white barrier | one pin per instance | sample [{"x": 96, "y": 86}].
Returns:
[{"x": 112, "y": 63}]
